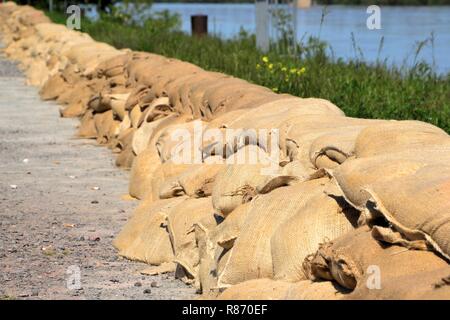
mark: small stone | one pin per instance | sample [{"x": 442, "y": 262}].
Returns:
[
  {"x": 25, "y": 160},
  {"x": 114, "y": 280},
  {"x": 94, "y": 201},
  {"x": 138, "y": 284},
  {"x": 147, "y": 291},
  {"x": 154, "y": 284},
  {"x": 34, "y": 292},
  {"x": 13, "y": 186}
]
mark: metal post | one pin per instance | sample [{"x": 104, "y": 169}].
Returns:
[
  {"x": 262, "y": 24},
  {"x": 199, "y": 25}
]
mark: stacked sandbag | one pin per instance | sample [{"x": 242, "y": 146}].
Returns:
[
  {"x": 374, "y": 269},
  {"x": 268, "y": 289},
  {"x": 246, "y": 193}
]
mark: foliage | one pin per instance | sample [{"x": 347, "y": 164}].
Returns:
[{"x": 360, "y": 89}]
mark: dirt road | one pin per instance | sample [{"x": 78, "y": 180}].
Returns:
[{"x": 60, "y": 207}]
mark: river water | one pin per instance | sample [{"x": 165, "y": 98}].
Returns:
[{"x": 401, "y": 27}]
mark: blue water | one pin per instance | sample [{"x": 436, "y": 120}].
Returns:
[{"x": 401, "y": 27}]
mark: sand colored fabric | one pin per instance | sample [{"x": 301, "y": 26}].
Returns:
[
  {"x": 353, "y": 259},
  {"x": 54, "y": 86},
  {"x": 252, "y": 252},
  {"x": 418, "y": 205},
  {"x": 355, "y": 175},
  {"x": 332, "y": 149},
  {"x": 209, "y": 256},
  {"x": 87, "y": 127},
  {"x": 144, "y": 237},
  {"x": 196, "y": 182},
  {"x": 180, "y": 223},
  {"x": 142, "y": 170},
  {"x": 237, "y": 183},
  {"x": 267, "y": 289},
  {"x": 322, "y": 218},
  {"x": 394, "y": 136},
  {"x": 226, "y": 233},
  {"x": 180, "y": 142}
]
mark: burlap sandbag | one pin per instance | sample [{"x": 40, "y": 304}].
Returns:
[
  {"x": 418, "y": 205},
  {"x": 268, "y": 289},
  {"x": 112, "y": 67},
  {"x": 164, "y": 180},
  {"x": 238, "y": 183},
  {"x": 180, "y": 222},
  {"x": 357, "y": 260},
  {"x": 142, "y": 170},
  {"x": 323, "y": 218},
  {"x": 332, "y": 149},
  {"x": 180, "y": 142},
  {"x": 123, "y": 140},
  {"x": 209, "y": 254},
  {"x": 106, "y": 126},
  {"x": 252, "y": 253},
  {"x": 53, "y": 87},
  {"x": 393, "y": 136},
  {"x": 191, "y": 93},
  {"x": 87, "y": 127},
  {"x": 151, "y": 127},
  {"x": 299, "y": 132},
  {"x": 226, "y": 233},
  {"x": 426, "y": 285},
  {"x": 145, "y": 237},
  {"x": 356, "y": 174},
  {"x": 172, "y": 69},
  {"x": 223, "y": 97},
  {"x": 196, "y": 182}
]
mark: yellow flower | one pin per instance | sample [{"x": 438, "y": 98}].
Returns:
[
  {"x": 265, "y": 59},
  {"x": 270, "y": 66},
  {"x": 293, "y": 70},
  {"x": 275, "y": 89},
  {"x": 258, "y": 66},
  {"x": 284, "y": 69},
  {"x": 301, "y": 71}
]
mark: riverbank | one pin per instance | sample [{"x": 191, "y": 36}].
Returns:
[{"x": 360, "y": 89}]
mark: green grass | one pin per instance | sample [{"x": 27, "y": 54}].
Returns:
[{"x": 358, "y": 88}]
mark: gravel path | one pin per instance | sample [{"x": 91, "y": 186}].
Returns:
[{"x": 60, "y": 207}]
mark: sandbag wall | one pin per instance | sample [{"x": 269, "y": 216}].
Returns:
[{"x": 352, "y": 209}]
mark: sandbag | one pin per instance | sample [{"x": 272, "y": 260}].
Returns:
[
  {"x": 267, "y": 289},
  {"x": 252, "y": 253},
  {"x": 180, "y": 224},
  {"x": 226, "y": 233},
  {"x": 142, "y": 170},
  {"x": 418, "y": 205},
  {"x": 357, "y": 174},
  {"x": 237, "y": 183},
  {"x": 144, "y": 237},
  {"x": 323, "y": 218},
  {"x": 393, "y": 136},
  {"x": 353, "y": 259}
]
